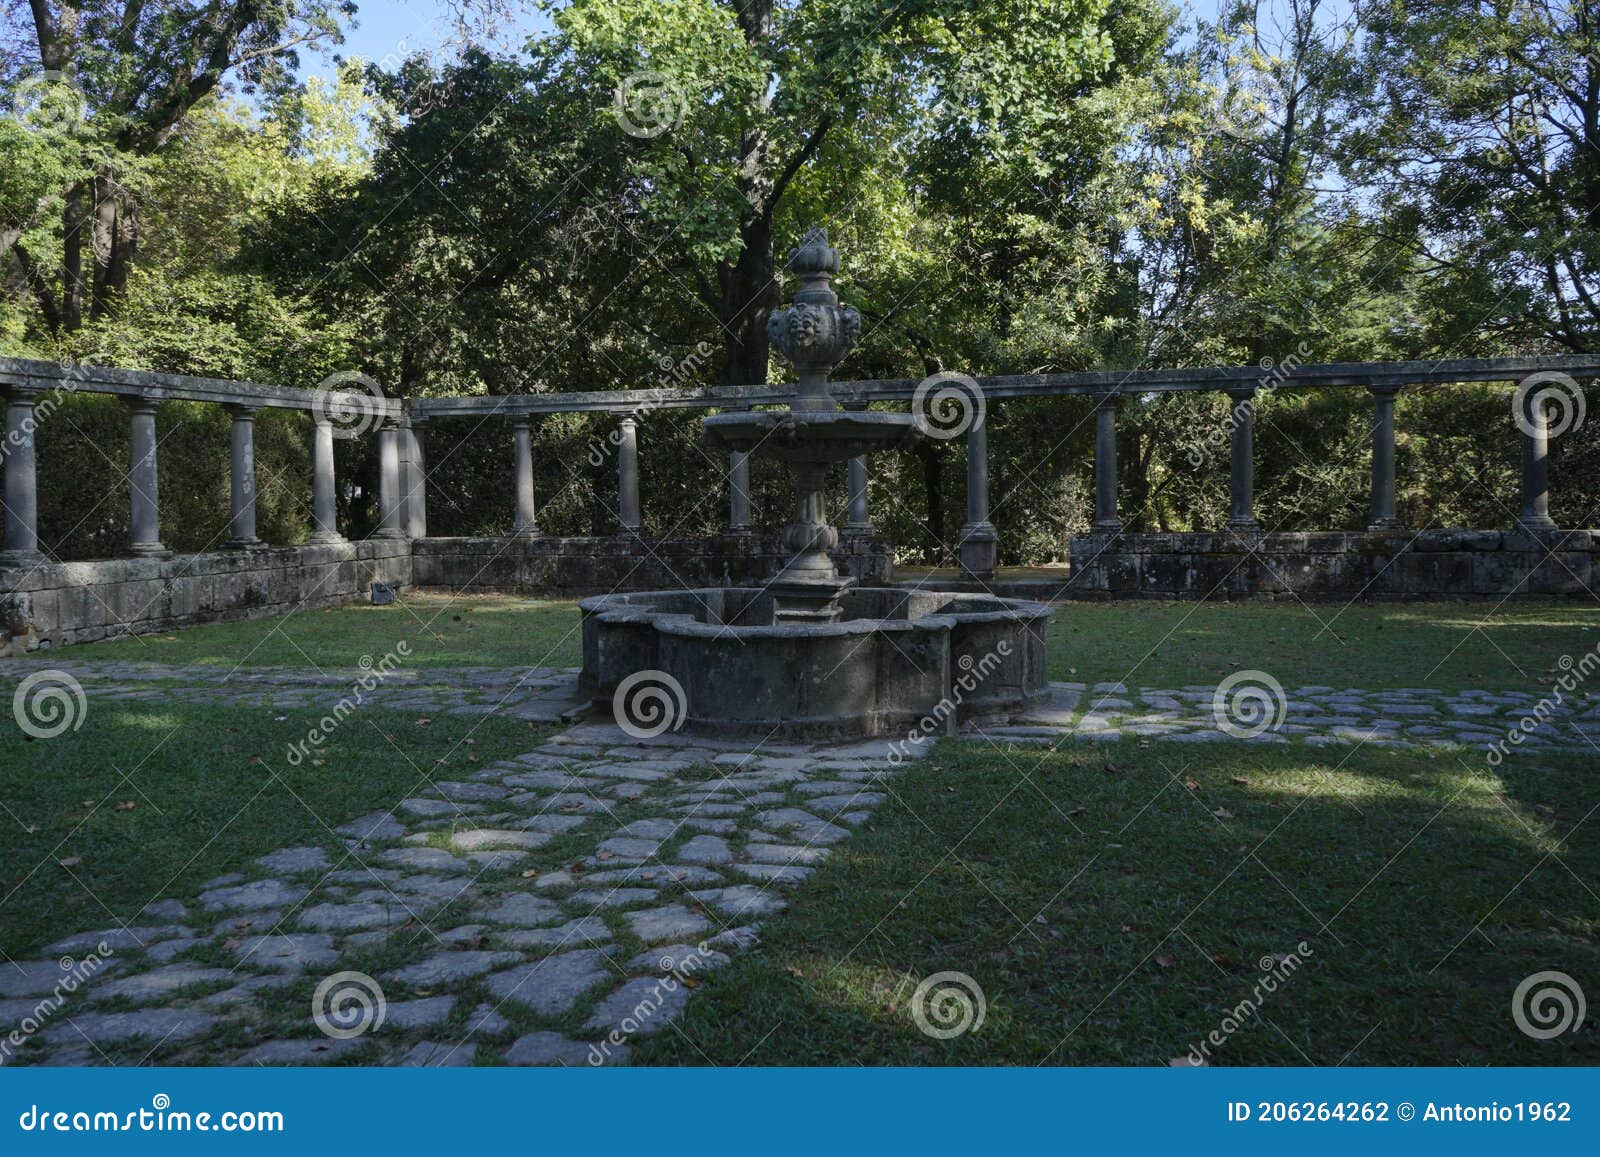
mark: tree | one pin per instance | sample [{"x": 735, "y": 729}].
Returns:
[{"x": 106, "y": 84}]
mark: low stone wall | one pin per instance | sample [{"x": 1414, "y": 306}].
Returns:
[
  {"x": 1391, "y": 564},
  {"x": 589, "y": 566},
  {"x": 80, "y": 602}
]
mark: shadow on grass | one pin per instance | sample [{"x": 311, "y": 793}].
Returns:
[{"x": 1115, "y": 905}]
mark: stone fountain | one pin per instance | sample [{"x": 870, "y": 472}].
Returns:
[{"x": 810, "y": 653}]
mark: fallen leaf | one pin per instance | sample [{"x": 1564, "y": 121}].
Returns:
[
  {"x": 1238, "y": 779},
  {"x": 1223, "y": 813},
  {"x": 795, "y": 972},
  {"x": 1166, "y": 961},
  {"x": 70, "y": 862},
  {"x": 690, "y": 982},
  {"x": 1191, "y": 784},
  {"x": 253, "y": 760},
  {"x": 424, "y": 722},
  {"x": 125, "y": 806}
]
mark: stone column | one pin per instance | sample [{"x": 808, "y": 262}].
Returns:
[
  {"x": 324, "y": 505},
  {"x": 522, "y": 445},
  {"x": 1105, "y": 467},
  {"x": 1535, "y": 464},
  {"x": 414, "y": 488},
  {"x": 242, "y": 477},
  {"x": 858, "y": 521},
  {"x": 739, "y": 490},
  {"x": 978, "y": 536},
  {"x": 1242, "y": 463},
  {"x": 22, "y": 485},
  {"x": 1383, "y": 515},
  {"x": 627, "y": 474},
  {"x": 389, "y": 481},
  {"x": 145, "y": 523}
]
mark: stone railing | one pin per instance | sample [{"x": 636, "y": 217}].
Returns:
[{"x": 45, "y": 600}]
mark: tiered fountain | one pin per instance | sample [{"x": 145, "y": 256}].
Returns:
[{"x": 810, "y": 653}]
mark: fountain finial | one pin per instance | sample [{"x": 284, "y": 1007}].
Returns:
[{"x": 816, "y": 332}]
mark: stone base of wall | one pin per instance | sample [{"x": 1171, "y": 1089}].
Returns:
[
  {"x": 1385, "y": 565},
  {"x": 80, "y": 602},
  {"x": 590, "y": 566}
]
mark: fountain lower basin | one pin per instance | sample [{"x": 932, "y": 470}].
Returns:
[{"x": 894, "y": 661}]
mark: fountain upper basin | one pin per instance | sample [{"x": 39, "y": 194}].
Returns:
[
  {"x": 810, "y": 436},
  {"x": 895, "y": 661}
]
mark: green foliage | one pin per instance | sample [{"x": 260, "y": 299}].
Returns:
[{"x": 1027, "y": 185}]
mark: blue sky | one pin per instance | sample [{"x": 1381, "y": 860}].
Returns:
[{"x": 390, "y": 30}]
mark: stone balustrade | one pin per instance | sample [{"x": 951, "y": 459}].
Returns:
[{"x": 37, "y": 602}]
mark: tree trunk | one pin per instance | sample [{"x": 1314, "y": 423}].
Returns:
[
  {"x": 749, "y": 293},
  {"x": 749, "y": 290},
  {"x": 74, "y": 285}
]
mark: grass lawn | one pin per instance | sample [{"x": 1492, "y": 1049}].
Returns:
[
  {"x": 1447, "y": 645},
  {"x": 1114, "y": 904},
  {"x": 209, "y": 788},
  {"x": 1112, "y": 901}
]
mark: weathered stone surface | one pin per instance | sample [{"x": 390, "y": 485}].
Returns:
[
  {"x": 672, "y": 922},
  {"x": 118, "y": 939},
  {"x": 482, "y": 838},
  {"x": 552, "y": 985},
  {"x": 428, "y": 859},
  {"x": 551, "y": 1048},
  {"x": 31, "y": 978},
  {"x": 586, "y": 930},
  {"x": 705, "y": 850},
  {"x": 159, "y": 983},
  {"x": 424, "y": 1012},
  {"x": 640, "y": 1007},
  {"x": 253, "y": 896},
  {"x": 433, "y": 1055},
  {"x": 682, "y": 959},
  {"x": 524, "y": 911},
  {"x": 485, "y": 1022},
  {"x": 155, "y": 1024},
  {"x": 288, "y": 953},
  {"x": 611, "y": 897},
  {"x": 741, "y": 900},
  {"x": 353, "y": 917},
  {"x": 451, "y": 967},
  {"x": 374, "y": 826},
  {"x": 293, "y": 861},
  {"x": 317, "y": 1051},
  {"x": 627, "y": 848}
]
